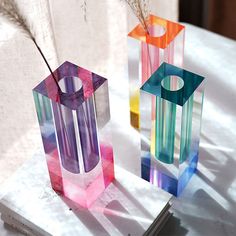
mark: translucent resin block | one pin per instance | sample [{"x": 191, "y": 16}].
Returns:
[
  {"x": 146, "y": 52},
  {"x": 171, "y": 113},
  {"x": 75, "y": 129}
]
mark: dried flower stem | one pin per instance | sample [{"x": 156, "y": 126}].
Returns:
[
  {"x": 142, "y": 17},
  {"x": 9, "y": 9},
  {"x": 140, "y": 9},
  {"x": 46, "y": 62}
]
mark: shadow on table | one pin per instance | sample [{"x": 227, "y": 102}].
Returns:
[
  {"x": 116, "y": 210},
  {"x": 213, "y": 205},
  {"x": 211, "y": 209},
  {"x": 202, "y": 213},
  {"x": 221, "y": 166},
  {"x": 173, "y": 227}
]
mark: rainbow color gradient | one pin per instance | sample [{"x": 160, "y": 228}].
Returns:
[
  {"x": 171, "y": 113},
  {"x": 75, "y": 128}
]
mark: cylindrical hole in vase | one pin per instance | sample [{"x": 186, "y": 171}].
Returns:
[
  {"x": 70, "y": 84},
  {"x": 156, "y": 30},
  {"x": 172, "y": 83}
]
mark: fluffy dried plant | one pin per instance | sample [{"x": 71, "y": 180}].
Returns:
[
  {"x": 9, "y": 9},
  {"x": 141, "y": 10}
]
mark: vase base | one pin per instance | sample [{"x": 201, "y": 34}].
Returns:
[
  {"x": 75, "y": 186},
  {"x": 162, "y": 180}
]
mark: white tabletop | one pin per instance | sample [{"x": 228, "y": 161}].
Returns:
[
  {"x": 208, "y": 204},
  {"x": 124, "y": 208}
]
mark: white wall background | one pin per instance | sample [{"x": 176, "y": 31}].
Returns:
[{"x": 99, "y": 43}]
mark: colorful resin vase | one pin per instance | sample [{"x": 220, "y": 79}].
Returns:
[
  {"x": 171, "y": 112},
  {"x": 146, "y": 52},
  {"x": 74, "y": 124}
]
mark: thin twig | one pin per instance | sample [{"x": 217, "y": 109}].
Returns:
[{"x": 46, "y": 62}]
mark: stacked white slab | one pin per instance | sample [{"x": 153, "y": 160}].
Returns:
[{"x": 129, "y": 206}]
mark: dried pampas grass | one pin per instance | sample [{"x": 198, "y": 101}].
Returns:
[
  {"x": 9, "y": 9},
  {"x": 141, "y": 10}
]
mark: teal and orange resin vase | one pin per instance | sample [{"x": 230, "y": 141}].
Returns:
[
  {"x": 171, "y": 103},
  {"x": 74, "y": 118}
]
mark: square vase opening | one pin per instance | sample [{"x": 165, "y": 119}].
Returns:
[
  {"x": 75, "y": 128},
  {"x": 171, "y": 113}
]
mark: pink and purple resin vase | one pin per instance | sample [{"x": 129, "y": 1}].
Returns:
[{"x": 75, "y": 128}]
